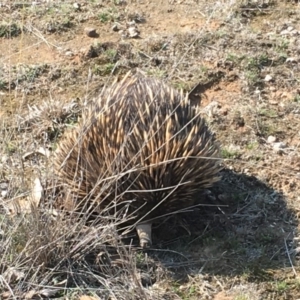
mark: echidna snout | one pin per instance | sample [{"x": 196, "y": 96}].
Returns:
[{"x": 144, "y": 234}]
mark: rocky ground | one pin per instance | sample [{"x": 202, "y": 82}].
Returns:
[{"x": 239, "y": 61}]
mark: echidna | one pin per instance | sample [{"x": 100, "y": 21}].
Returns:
[{"x": 140, "y": 149}]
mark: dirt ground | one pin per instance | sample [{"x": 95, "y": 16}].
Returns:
[{"x": 239, "y": 61}]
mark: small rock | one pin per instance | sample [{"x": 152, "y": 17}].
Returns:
[
  {"x": 292, "y": 59},
  {"x": 4, "y": 185},
  {"x": 279, "y": 146},
  {"x": 268, "y": 78},
  {"x": 271, "y": 139},
  {"x": 115, "y": 28},
  {"x": 3, "y": 194},
  {"x": 133, "y": 32},
  {"x": 76, "y": 6},
  {"x": 90, "y": 32},
  {"x": 69, "y": 53}
]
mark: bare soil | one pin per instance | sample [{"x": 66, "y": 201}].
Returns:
[{"x": 240, "y": 62}]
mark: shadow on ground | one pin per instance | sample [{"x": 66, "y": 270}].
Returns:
[{"x": 247, "y": 229}]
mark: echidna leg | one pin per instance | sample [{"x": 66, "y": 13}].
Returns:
[{"x": 144, "y": 233}]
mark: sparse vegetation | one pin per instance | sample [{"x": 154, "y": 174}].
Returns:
[
  {"x": 111, "y": 54},
  {"x": 107, "y": 15},
  {"x": 297, "y": 98},
  {"x": 241, "y": 241},
  {"x": 103, "y": 69},
  {"x": 252, "y": 145},
  {"x": 281, "y": 286},
  {"x": 229, "y": 154},
  {"x": 9, "y": 30}
]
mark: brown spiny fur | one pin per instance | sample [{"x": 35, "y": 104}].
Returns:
[{"x": 140, "y": 147}]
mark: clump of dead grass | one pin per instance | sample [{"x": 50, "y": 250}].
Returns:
[
  {"x": 50, "y": 117},
  {"x": 45, "y": 254}
]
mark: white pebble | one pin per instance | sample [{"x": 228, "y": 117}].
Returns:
[
  {"x": 271, "y": 139},
  {"x": 291, "y": 59},
  {"x": 3, "y": 194},
  {"x": 268, "y": 78},
  {"x": 76, "y": 5},
  {"x": 278, "y": 146},
  {"x": 133, "y": 32}
]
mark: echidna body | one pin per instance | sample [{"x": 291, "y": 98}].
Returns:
[{"x": 141, "y": 150}]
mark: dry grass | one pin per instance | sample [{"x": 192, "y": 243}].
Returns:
[
  {"x": 43, "y": 257},
  {"x": 244, "y": 246}
]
